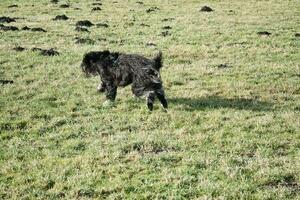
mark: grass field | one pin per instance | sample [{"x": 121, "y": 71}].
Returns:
[{"x": 232, "y": 130}]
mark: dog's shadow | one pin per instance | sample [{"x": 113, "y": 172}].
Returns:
[{"x": 216, "y": 102}]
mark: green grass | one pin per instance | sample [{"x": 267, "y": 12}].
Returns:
[{"x": 230, "y": 133}]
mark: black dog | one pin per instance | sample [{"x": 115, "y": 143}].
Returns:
[{"x": 118, "y": 69}]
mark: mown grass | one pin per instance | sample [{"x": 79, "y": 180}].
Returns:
[{"x": 230, "y": 132}]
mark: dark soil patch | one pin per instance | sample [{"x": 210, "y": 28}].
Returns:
[
  {"x": 142, "y": 24},
  {"x": 3, "y": 82},
  {"x": 151, "y": 44},
  {"x": 38, "y": 29},
  {"x": 168, "y": 19},
  {"x": 223, "y": 66},
  {"x": 18, "y": 48},
  {"x": 97, "y": 4},
  {"x": 206, "y": 9},
  {"x": 81, "y": 29},
  {"x": 13, "y": 6},
  {"x": 297, "y": 34},
  {"x": 54, "y": 1},
  {"x": 8, "y": 28},
  {"x": 86, "y": 23},
  {"x": 46, "y": 52},
  {"x": 26, "y": 28},
  {"x": 140, "y": 2},
  {"x": 165, "y": 33},
  {"x": 104, "y": 25},
  {"x": 7, "y": 19},
  {"x": 167, "y": 27},
  {"x": 49, "y": 52},
  {"x": 61, "y": 17},
  {"x": 36, "y": 49},
  {"x": 152, "y": 9},
  {"x": 64, "y": 6},
  {"x": 84, "y": 41},
  {"x": 119, "y": 42},
  {"x": 264, "y": 33},
  {"x": 102, "y": 39},
  {"x": 96, "y": 9}
]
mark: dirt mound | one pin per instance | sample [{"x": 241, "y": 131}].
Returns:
[
  {"x": 3, "y": 82},
  {"x": 8, "y": 28},
  {"x": 18, "y": 48},
  {"x": 26, "y": 28},
  {"x": 223, "y": 66},
  {"x": 64, "y": 6},
  {"x": 152, "y": 9},
  {"x": 104, "y": 25},
  {"x": 165, "y": 33},
  {"x": 151, "y": 44},
  {"x": 167, "y": 27},
  {"x": 81, "y": 29},
  {"x": 206, "y": 9},
  {"x": 7, "y": 19},
  {"x": 96, "y": 9},
  {"x": 84, "y": 41},
  {"x": 102, "y": 39},
  {"x": 13, "y": 6},
  {"x": 86, "y": 23},
  {"x": 168, "y": 19},
  {"x": 146, "y": 25},
  {"x": 46, "y": 52},
  {"x": 264, "y": 33},
  {"x": 38, "y": 29},
  {"x": 61, "y": 17},
  {"x": 97, "y": 4}
]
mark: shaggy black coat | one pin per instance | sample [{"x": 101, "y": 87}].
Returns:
[{"x": 118, "y": 69}]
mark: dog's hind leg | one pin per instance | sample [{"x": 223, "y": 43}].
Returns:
[
  {"x": 161, "y": 97},
  {"x": 150, "y": 100}
]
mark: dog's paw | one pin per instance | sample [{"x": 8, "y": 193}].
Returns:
[{"x": 108, "y": 104}]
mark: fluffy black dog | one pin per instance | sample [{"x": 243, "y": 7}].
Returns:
[{"x": 118, "y": 69}]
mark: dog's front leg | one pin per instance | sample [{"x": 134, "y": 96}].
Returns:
[
  {"x": 101, "y": 87},
  {"x": 111, "y": 91}
]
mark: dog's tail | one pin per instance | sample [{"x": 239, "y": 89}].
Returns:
[
  {"x": 87, "y": 67},
  {"x": 158, "y": 61}
]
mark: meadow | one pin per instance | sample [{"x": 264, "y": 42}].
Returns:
[{"x": 231, "y": 77}]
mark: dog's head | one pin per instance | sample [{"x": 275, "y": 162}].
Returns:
[{"x": 94, "y": 60}]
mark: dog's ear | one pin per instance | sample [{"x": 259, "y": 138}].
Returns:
[
  {"x": 158, "y": 61},
  {"x": 105, "y": 53}
]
